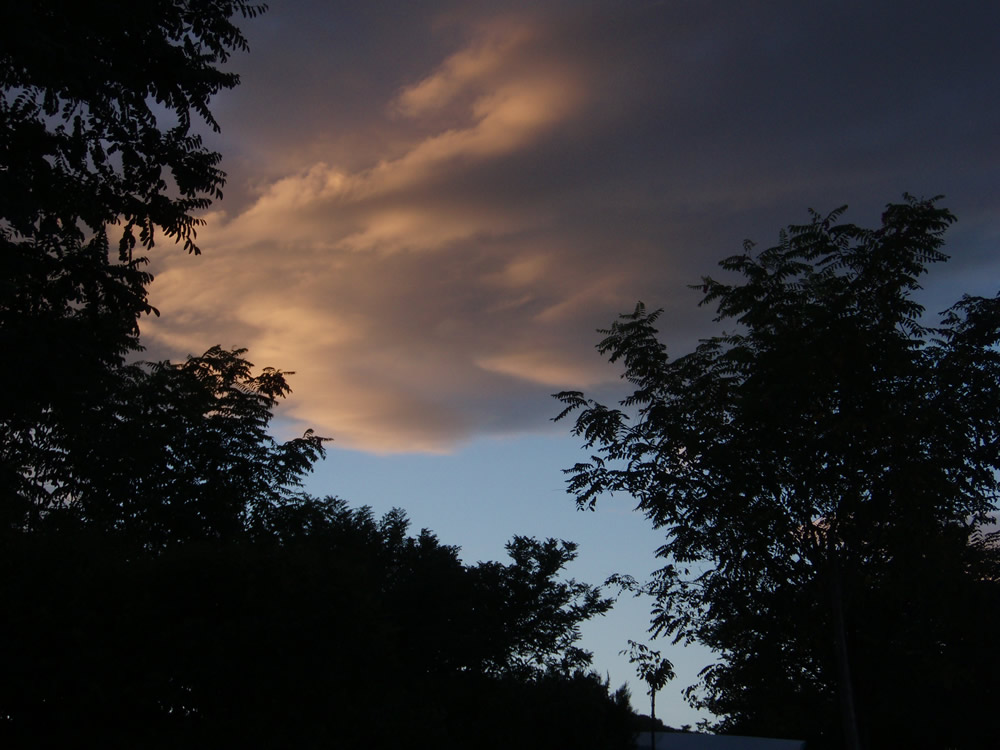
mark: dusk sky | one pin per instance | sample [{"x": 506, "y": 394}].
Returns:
[{"x": 432, "y": 206}]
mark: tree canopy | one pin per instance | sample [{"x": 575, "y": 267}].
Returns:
[
  {"x": 828, "y": 454},
  {"x": 322, "y": 625},
  {"x": 99, "y": 106},
  {"x": 174, "y": 452},
  {"x": 183, "y": 590},
  {"x": 99, "y": 146}
]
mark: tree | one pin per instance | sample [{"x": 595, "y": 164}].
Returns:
[
  {"x": 176, "y": 452},
  {"x": 829, "y": 450},
  {"x": 98, "y": 146},
  {"x": 548, "y": 614},
  {"x": 322, "y": 626},
  {"x": 653, "y": 669}
]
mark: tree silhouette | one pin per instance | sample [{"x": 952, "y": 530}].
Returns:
[
  {"x": 653, "y": 669},
  {"x": 99, "y": 153},
  {"x": 321, "y": 625},
  {"x": 175, "y": 452},
  {"x": 830, "y": 452}
]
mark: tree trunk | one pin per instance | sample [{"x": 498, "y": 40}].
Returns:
[
  {"x": 849, "y": 716},
  {"x": 652, "y": 712}
]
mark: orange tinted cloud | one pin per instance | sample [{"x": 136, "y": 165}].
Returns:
[
  {"x": 430, "y": 220},
  {"x": 488, "y": 58},
  {"x": 382, "y": 287}
]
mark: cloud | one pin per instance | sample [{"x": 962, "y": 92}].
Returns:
[
  {"x": 430, "y": 223},
  {"x": 405, "y": 292},
  {"x": 404, "y": 202},
  {"x": 542, "y": 367},
  {"x": 487, "y": 60}
]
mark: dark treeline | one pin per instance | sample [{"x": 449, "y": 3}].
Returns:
[
  {"x": 324, "y": 628},
  {"x": 164, "y": 581},
  {"x": 175, "y": 588}
]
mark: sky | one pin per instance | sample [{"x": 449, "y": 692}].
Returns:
[{"x": 432, "y": 206}]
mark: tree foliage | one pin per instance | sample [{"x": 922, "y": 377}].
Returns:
[
  {"x": 99, "y": 145},
  {"x": 174, "y": 452},
  {"x": 816, "y": 460},
  {"x": 184, "y": 591},
  {"x": 323, "y": 625},
  {"x": 549, "y": 614},
  {"x": 99, "y": 105},
  {"x": 652, "y": 668}
]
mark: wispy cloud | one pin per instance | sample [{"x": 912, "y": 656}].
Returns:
[
  {"x": 402, "y": 292},
  {"x": 430, "y": 222}
]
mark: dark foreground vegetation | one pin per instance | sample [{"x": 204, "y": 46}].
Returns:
[
  {"x": 825, "y": 471},
  {"x": 324, "y": 627}
]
